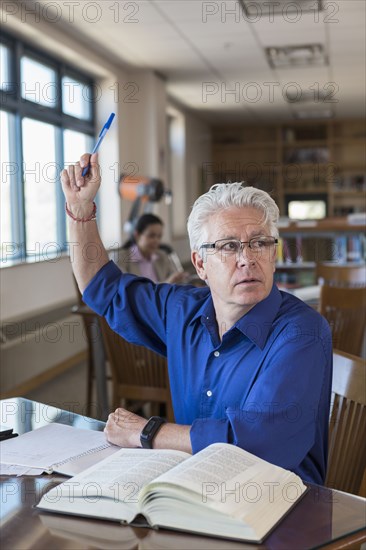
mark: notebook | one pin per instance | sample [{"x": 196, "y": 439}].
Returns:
[{"x": 56, "y": 448}]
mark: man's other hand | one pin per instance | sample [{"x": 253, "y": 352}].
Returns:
[{"x": 123, "y": 428}]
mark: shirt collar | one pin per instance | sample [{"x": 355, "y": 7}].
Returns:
[{"x": 256, "y": 324}]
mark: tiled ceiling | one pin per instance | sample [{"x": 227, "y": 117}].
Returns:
[{"x": 212, "y": 54}]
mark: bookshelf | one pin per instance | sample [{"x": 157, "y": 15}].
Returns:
[
  {"x": 248, "y": 154},
  {"x": 348, "y": 146},
  {"x": 302, "y": 245},
  {"x": 303, "y": 160},
  {"x": 297, "y": 159}
]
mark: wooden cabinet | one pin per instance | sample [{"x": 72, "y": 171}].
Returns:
[
  {"x": 348, "y": 147},
  {"x": 247, "y": 154},
  {"x": 307, "y": 160}
]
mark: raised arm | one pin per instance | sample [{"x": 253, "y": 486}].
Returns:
[{"x": 87, "y": 253}]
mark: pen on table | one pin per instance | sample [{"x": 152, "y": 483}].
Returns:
[{"x": 102, "y": 134}]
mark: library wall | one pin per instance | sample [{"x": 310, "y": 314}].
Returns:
[
  {"x": 316, "y": 172},
  {"x": 324, "y": 159}
]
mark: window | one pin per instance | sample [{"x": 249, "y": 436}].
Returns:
[
  {"x": 177, "y": 156},
  {"x": 37, "y": 82},
  {"x": 6, "y": 214},
  {"x": 46, "y": 122},
  {"x": 4, "y": 67},
  {"x": 40, "y": 182},
  {"x": 76, "y": 100}
]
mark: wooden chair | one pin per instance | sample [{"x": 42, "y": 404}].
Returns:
[
  {"x": 341, "y": 275},
  {"x": 138, "y": 374},
  {"x": 347, "y": 427},
  {"x": 87, "y": 316},
  {"x": 344, "y": 309}
]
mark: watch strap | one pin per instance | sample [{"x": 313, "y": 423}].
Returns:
[{"x": 150, "y": 430}]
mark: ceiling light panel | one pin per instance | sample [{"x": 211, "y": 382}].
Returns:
[
  {"x": 270, "y": 8},
  {"x": 296, "y": 56}
]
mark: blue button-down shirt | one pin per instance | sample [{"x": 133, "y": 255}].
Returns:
[{"x": 265, "y": 387}]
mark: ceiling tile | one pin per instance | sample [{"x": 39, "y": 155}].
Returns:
[{"x": 192, "y": 43}]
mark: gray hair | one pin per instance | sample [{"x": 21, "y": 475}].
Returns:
[{"x": 226, "y": 195}]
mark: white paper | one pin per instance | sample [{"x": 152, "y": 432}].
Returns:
[
  {"x": 14, "y": 470},
  {"x": 50, "y": 445}
]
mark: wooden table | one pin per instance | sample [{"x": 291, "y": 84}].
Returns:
[{"x": 324, "y": 517}]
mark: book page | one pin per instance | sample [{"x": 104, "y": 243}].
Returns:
[
  {"x": 126, "y": 472},
  {"x": 217, "y": 463},
  {"x": 227, "y": 478},
  {"x": 103, "y": 489},
  {"x": 223, "y": 491}
]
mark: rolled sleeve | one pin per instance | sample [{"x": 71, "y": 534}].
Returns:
[{"x": 134, "y": 307}]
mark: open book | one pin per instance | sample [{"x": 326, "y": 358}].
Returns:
[{"x": 221, "y": 491}]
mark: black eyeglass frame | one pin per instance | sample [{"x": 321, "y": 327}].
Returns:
[{"x": 242, "y": 243}]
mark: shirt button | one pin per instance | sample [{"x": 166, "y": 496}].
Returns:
[
  {"x": 216, "y": 353},
  {"x": 209, "y": 393}
]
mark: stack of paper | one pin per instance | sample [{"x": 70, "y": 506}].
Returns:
[{"x": 54, "y": 448}]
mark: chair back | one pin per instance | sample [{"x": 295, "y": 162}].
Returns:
[
  {"x": 341, "y": 275},
  {"x": 90, "y": 322},
  {"x": 347, "y": 427},
  {"x": 344, "y": 309},
  {"x": 138, "y": 374}
]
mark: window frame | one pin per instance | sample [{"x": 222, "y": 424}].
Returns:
[{"x": 12, "y": 102}]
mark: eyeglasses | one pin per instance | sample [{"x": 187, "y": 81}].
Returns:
[{"x": 234, "y": 246}]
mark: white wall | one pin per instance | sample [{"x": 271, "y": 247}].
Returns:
[
  {"x": 143, "y": 139},
  {"x": 198, "y": 155},
  {"x": 27, "y": 288}
]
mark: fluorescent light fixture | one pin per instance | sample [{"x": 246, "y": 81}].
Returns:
[
  {"x": 286, "y": 8},
  {"x": 306, "y": 55}
]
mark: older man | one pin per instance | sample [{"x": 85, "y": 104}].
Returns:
[{"x": 248, "y": 364}]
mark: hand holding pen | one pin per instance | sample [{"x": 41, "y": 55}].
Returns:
[
  {"x": 80, "y": 191},
  {"x": 102, "y": 134}
]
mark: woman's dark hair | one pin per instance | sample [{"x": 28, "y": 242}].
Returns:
[{"x": 142, "y": 223}]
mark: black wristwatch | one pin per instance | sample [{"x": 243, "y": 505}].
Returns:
[{"x": 150, "y": 430}]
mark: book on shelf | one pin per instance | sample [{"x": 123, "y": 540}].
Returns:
[
  {"x": 354, "y": 251},
  {"x": 357, "y": 218},
  {"x": 221, "y": 491}
]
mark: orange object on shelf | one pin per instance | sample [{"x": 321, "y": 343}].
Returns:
[{"x": 141, "y": 187}]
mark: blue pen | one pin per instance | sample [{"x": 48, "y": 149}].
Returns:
[{"x": 102, "y": 134}]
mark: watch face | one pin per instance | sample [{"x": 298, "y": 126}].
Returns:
[
  {"x": 149, "y": 427},
  {"x": 149, "y": 431}
]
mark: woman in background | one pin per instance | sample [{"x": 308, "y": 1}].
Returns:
[{"x": 141, "y": 255}]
